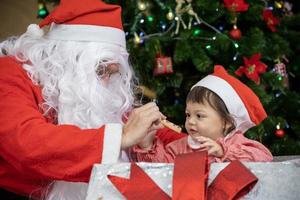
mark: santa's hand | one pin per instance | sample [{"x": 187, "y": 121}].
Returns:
[
  {"x": 141, "y": 120},
  {"x": 213, "y": 148}
]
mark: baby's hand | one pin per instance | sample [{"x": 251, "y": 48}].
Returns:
[{"x": 211, "y": 146}]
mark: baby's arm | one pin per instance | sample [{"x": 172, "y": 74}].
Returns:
[
  {"x": 238, "y": 147},
  {"x": 157, "y": 153}
]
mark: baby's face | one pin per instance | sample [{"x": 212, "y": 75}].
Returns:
[{"x": 203, "y": 120}]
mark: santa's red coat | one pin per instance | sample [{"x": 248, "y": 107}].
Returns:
[{"x": 33, "y": 150}]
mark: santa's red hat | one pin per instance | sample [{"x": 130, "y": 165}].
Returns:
[
  {"x": 88, "y": 20},
  {"x": 241, "y": 102}
]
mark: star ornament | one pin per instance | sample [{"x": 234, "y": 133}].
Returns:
[
  {"x": 236, "y": 5},
  {"x": 253, "y": 68},
  {"x": 270, "y": 19}
]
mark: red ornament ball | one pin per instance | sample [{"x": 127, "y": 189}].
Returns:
[
  {"x": 279, "y": 133},
  {"x": 235, "y": 33}
]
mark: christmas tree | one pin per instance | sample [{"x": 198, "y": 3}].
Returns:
[{"x": 174, "y": 43}]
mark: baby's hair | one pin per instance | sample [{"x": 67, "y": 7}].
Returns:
[{"x": 203, "y": 95}]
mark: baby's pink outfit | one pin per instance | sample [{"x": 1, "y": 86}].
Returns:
[{"x": 235, "y": 145}]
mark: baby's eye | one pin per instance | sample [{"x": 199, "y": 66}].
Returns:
[
  {"x": 187, "y": 115},
  {"x": 199, "y": 116}
]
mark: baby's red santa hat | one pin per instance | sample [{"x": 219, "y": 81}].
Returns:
[
  {"x": 241, "y": 102},
  {"x": 88, "y": 20}
]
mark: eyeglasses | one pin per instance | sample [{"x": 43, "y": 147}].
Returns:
[{"x": 105, "y": 70}]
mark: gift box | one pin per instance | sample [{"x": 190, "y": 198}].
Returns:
[{"x": 276, "y": 180}]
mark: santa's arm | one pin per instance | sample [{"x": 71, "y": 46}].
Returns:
[{"x": 48, "y": 151}]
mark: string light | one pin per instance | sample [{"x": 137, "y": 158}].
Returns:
[
  {"x": 287, "y": 125},
  {"x": 141, "y": 5},
  {"x": 236, "y": 45},
  {"x": 235, "y": 56},
  {"x": 141, "y": 36},
  {"x": 277, "y": 94},
  {"x": 150, "y": 19},
  {"x": 278, "y": 126},
  {"x": 208, "y": 47},
  {"x": 197, "y": 32}
]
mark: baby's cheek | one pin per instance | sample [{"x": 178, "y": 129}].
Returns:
[{"x": 186, "y": 125}]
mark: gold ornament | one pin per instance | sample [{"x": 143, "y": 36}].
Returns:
[
  {"x": 170, "y": 15},
  {"x": 278, "y": 4},
  {"x": 137, "y": 39}
]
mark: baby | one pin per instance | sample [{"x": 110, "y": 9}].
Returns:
[{"x": 219, "y": 110}]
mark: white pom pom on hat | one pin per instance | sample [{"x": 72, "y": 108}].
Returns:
[{"x": 35, "y": 31}]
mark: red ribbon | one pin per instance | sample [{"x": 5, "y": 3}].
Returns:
[
  {"x": 190, "y": 176},
  {"x": 139, "y": 186},
  {"x": 233, "y": 182},
  {"x": 189, "y": 181}
]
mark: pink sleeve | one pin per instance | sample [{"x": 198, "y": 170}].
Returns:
[
  {"x": 158, "y": 152},
  {"x": 238, "y": 147}
]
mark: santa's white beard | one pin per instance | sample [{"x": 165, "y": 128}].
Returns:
[
  {"x": 91, "y": 103},
  {"x": 88, "y": 102}
]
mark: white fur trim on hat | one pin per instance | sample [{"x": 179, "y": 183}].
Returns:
[
  {"x": 231, "y": 99},
  {"x": 88, "y": 33}
]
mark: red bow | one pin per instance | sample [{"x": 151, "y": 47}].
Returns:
[{"x": 189, "y": 181}]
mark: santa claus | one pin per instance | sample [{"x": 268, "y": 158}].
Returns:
[{"x": 64, "y": 95}]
